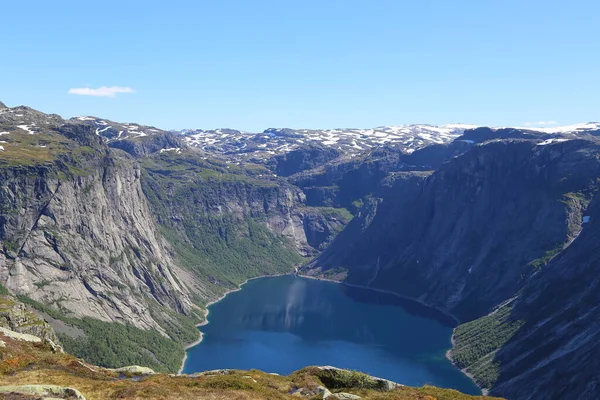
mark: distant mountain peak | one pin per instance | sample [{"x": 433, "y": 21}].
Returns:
[
  {"x": 240, "y": 146},
  {"x": 2, "y": 105}
]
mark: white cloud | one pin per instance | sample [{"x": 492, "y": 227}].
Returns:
[
  {"x": 540, "y": 123},
  {"x": 104, "y": 91}
]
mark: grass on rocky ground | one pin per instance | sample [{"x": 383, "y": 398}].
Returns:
[{"x": 26, "y": 149}]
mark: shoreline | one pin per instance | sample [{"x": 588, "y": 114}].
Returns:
[
  {"x": 296, "y": 273},
  {"x": 385, "y": 292},
  {"x": 484, "y": 391}
]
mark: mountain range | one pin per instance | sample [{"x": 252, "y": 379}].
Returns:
[{"x": 103, "y": 223}]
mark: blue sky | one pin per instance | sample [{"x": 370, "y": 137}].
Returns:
[{"x": 256, "y": 64}]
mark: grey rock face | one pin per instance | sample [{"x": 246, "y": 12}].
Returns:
[
  {"x": 136, "y": 370},
  {"x": 89, "y": 242},
  {"x": 149, "y": 144},
  {"x": 335, "y": 377},
  {"x": 302, "y": 159}
]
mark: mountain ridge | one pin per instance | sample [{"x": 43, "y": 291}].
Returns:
[{"x": 146, "y": 228}]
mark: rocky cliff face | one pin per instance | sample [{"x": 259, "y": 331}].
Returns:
[
  {"x": 86, "y": 242},
  {"x": 302, "y": 159},
  {"x": 555, "y": 352},
  {"x": 75, "y": 226},
  {"x": 346, "y": 182}
]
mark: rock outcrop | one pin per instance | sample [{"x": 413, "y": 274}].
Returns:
[{"x": 16, "y": 317}]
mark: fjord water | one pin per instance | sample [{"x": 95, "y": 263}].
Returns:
[{"x": 282, "y": 324}]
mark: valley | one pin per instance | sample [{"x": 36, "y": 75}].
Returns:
[{"x": 120, "y": 235}]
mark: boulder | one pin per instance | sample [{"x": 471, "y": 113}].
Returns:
[
  {"x": 20, "y": 336},
  {"x": 136, "y": 370},
  {"x": 344, "y": 396}
]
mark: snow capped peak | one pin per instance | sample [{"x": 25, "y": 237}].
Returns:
[
  {"x": 349, "y": 141},
  {"x": 111, "y": 130},
  {"x": 242, "y": 146}
]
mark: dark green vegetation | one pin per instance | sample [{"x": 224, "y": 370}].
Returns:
[
  {"x": 3, "y": 290},
  {"x": 476, "y": 344},
  {"x": 114, "y": 345}
]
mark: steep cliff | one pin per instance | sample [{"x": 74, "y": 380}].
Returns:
[
  {"x": 304, "y": 158},
  {"x": 88, "y": 241},
  {"x": 348, "y": 181},
  {"x": 77, "y": 234},
  {"x": 461, "y": 239},
  {"x": 554, "y": 352}
]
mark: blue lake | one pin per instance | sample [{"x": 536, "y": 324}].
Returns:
[{"x": 282, "y": 324}]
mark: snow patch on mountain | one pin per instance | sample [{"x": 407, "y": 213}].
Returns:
[{"x": 242, "y": 145}]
